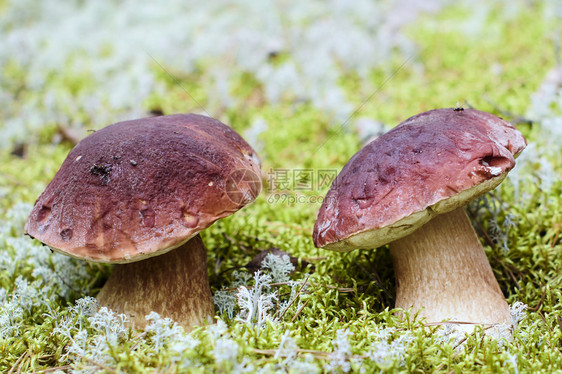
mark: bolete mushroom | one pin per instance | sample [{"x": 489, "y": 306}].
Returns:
[
  {"x": 137, "y": 193},
  {"x": 408, "y": 188}
]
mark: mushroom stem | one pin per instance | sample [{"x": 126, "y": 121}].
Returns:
[
  {"x": 175, "y": 285},
  {"x": 442, "y": 271}
]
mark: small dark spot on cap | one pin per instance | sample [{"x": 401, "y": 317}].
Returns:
[
  {"x": 116, "y": 157},
  {"x": 66, "y": 234},
  {"x": 101, "y": 170}
]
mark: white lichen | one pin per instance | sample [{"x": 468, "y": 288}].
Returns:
[
  {"x": 280, "y": 267},
  {"x": 340, "y": 358},
  {"x": 517, "y": 312},
  {"x": 255, "y": 302},
  {"x": 389, "y": 347}
]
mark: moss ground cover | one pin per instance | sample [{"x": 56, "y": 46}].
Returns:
[{"x": 334, "y": 313}]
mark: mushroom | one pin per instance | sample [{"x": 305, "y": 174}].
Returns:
[
  {"x": 408, "y": 188},
  {"x": 137, "y": 193}
]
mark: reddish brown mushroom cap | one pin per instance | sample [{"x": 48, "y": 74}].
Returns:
[
  {"x": 431, "y": 163},
  {"x": 139, "y": 188}
]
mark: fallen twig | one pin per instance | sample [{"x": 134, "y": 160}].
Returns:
[
  {"x": 295, "y": 297},
  {"x": 56, "y": 368},
  {"x": 302, "y": 307},
  {"x": 18, "y": 363}
]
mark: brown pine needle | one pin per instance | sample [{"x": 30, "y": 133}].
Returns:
[
  {"x": 300, "y": 310},
  {"x": 56, "y": 368},
  {"x": 295, "y": 297},
  {"x": 18, "y": 363}
]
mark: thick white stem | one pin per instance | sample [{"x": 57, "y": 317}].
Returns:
[
  {"x": 442, "y": 270},
  {"x": 175, "y": 285}
]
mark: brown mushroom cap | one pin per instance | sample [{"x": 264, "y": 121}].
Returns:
[
  {"x": 432, "y": 163},
  {"x": 140, "y": 188}
]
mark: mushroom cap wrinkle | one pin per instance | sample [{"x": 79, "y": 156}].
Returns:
[
  {"x": 432, "y": 163},
  {"x": 140, "y": 188}
]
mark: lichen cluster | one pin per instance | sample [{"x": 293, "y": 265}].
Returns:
[{"x": 306, "y": 83}]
